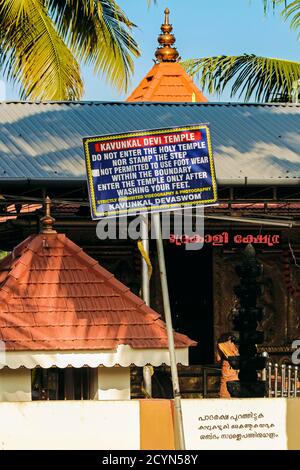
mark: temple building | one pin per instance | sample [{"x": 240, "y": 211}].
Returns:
[
  {"x": 256, "y": 151},
  {"x": 69, "y": 328},
  {"x": 76, "y": 338}
]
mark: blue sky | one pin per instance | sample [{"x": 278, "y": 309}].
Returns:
[{"x": 202, "y": 28}]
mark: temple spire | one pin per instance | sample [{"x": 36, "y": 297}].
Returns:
[
  {"x": 165, "y": 52},
  {"x": 167, "y": 81},
  {"x": 47, "y": 221}
]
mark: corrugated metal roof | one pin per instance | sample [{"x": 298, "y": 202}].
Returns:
[{"x": 42, "y": 141}]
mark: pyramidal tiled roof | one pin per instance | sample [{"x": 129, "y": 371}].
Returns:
[
  {"x": 53, "y": 296},
  {"x": 167, "y": 82}
]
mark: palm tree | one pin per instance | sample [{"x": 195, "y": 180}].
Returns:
[
  {"x": 42, "y": 43},
  {"x": 264, "y": 78}
]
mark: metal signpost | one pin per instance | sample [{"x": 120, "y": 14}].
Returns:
[{"x": 152, "y": 171}]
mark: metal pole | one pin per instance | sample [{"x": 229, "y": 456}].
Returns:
[
  {"x": 146, "y": 294},
  {"x": 147, "y": 379},
  {"x": 276, "y": 380},
  {"x": 145, "y": 273},
  {"x": 179, "y": 433},
  {"x": 289, "y": 381},
  {"x": 283, "y": 367},
  {"x": 264, "y": 371},
  {"x": 270, "y": 378}
]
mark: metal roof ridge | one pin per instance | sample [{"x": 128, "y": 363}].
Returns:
[{"x": 151, "y": 103}]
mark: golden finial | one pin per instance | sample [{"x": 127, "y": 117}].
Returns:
[
  {"x": 166, "y": 53},
  {"x": 167, "y": 14},
  {"x": 47, "y": 221}
]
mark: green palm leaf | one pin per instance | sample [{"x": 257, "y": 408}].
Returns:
[
  {"x": 265, "y": 79},
  {"x": 291, "y": 10},
  {"x": 272, "y": 3},
  {"x": 111, "y": 53},
  {"x": 292, "y": 13},
  {"x": 43, "y": 41},
  {"x": 33, "y": 53},
  {"x": 98, "y": 33}
]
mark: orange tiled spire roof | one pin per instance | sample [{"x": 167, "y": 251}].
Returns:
[{"x": 167, "y": 81}]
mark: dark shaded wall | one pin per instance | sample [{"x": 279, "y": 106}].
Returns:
[{"x": 281, "y": 279}]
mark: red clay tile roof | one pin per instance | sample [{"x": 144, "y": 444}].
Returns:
[
  {"x": 53, "y": 296},
  {"x": 167, "y": 82}
]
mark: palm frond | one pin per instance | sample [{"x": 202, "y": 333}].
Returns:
[
  {"x": 98, "y": 33},
  {"x": 291, "y": 10},
  {"x": 115, "y": 47},
  {"x": 33, "y": 53},
  {"x": 292, "y": 13},
  {"x": 272, "y": 4},
  {"x": 264, "y": 79}
]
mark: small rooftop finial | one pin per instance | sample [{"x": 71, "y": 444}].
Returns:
[
  {"x": 165, "y": 52},
  {"x": 47, "y": 221},
  {"x": 167, "y": 13}
]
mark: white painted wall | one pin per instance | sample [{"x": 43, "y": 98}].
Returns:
[
  {"x": 113, "y": 383},
  {"x": 15, "y": 385},
  {"x": 70, "y": 425},
  {"x": 107, "y": 383}
]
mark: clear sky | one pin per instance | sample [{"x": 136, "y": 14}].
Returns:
[{"x": 202, "y": 28}]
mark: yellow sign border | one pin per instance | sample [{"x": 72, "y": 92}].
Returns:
[{"x": 150, "y": 132}]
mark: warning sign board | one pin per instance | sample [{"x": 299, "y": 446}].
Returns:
[{"x": 154, "y": 170}]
